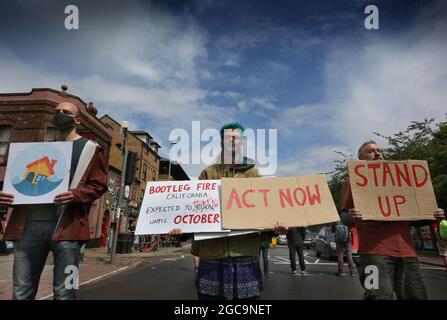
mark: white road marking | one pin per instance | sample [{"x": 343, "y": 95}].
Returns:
[{"x": 91, "y": 280}]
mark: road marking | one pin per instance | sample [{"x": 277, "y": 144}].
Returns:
[{"x": 91, "y": 280}]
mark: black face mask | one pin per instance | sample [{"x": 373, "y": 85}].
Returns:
[{"x": 62, "y": 121}]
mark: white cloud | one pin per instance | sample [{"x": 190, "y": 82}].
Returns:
[{"x": 317, "y": 159}]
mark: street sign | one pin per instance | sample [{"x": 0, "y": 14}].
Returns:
[{"x": 127, "y": 192}]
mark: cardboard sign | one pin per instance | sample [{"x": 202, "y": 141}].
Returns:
[
  {"x": 392, "y": 190},
  {"x": 37, "y": 171},
  {"x": 257, "y": 203},
  {"x": 192, "y": 206}
]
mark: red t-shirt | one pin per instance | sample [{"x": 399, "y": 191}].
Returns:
[{"x": 389, "y": 238}]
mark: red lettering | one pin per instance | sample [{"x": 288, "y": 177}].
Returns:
[
  {"x": 357, "y": 172},
  {"x": 296, "y": 198},
  {"x": 287, "y": 197},
  {"x": 400, "y": 175},
  {"x": 387, "y": 171},
  {"x": 388, "y": 213},
  {"x": 210, "y": 218},
  {"x": 177, "y": 219},
  {"x": 216, "y": 218},
  {"x": 374, "y": 166},
  {"x": 244, "y": 198},
  {"x": 313, "y": 197},
  {"x": 265, "y": 191},
  {"x": 397, "y": 203},
  {"x": 234, "y": 197},
  {"x": 204, "y": 216},
  {"x": 196, "y": 219},
  {"x": 419, "y": 183}
]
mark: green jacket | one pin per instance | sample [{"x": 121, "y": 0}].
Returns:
[{"x": 235, "y": 246}]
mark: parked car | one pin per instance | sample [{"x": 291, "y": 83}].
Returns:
[
  {"x": 282, "y": 240},
  {"x": 325, "y": 244},
  {"x": 308, "y": 240}
]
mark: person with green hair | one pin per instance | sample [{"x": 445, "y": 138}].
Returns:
[{"x": 229, "y": 266}]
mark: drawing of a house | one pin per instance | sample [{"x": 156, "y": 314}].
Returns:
[{"x": 39, "y": 170}]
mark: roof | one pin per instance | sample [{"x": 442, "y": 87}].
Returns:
[
  {"x": 142, "y": 133},
  {"x": 50, "y": 164}
]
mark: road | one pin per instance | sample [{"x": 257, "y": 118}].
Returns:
[{"x": 172, "y": 277}]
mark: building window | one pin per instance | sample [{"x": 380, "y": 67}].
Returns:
[
  {"x": 154, "y": 175},
  {"x": 5, "y": 134},
  {"x": 141, "y": 194},
  {"x": 144, "y": 175},
  {"x": 146, "y": 150},
  {"x": 50, "y": 135}
]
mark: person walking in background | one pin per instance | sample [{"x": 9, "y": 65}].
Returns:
[
  {"x": 295, "y": 238},
  {"x": 343, "y": 241},
  {"x": 266, "y": 239}
]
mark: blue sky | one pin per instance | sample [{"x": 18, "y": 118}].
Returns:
[{"x": 307, "y": 68}]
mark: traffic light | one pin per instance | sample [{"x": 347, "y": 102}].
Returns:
[{"x": 131, "y": 168}]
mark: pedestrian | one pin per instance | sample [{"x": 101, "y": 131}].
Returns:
[
  {"x": 266, "y": 239},
  {"x": 62, "y": 226},
  {"x": 385, "y": 245},
  {"x": 229, "y": 266},
  {"x": 343, "y": 242},
  {"x": 295, "y": 238},
  {"x": 440, "y": 229}
]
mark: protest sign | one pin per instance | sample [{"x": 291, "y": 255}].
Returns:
[
  {"x": 37, "y": 171},
  {"x": 392, "y": 190},
  {"x": 256, "y": 203},
  {"x": 192, "y": 206}
]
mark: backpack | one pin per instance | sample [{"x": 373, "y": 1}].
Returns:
[
  {"x": 443, "y": 230},
  {"x": 341, "y": 232}
]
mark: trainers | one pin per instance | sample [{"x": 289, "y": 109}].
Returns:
[
  {"x": 352, "y": 274},
  {"x": 293, "y": 271},
  {"x": 303, "y": 273},
  {"x": 339, "y": 274}
]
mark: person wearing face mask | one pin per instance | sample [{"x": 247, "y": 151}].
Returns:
[
  {"x": 385, "y": 246},
  {"x": 62, "y": 226}
]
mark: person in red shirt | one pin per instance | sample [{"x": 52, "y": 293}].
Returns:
[{"x": 385, "y": 247}]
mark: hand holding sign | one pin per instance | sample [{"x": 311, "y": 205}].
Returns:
[{"x": 6, "y": 198}]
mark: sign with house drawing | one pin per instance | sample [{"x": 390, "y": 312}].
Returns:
[{"x": 37, "y": 171}]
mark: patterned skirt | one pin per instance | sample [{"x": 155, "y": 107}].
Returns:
[{"x": 230, "y": 278}]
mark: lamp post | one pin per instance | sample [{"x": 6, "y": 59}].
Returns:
[
  {"x": 124, "y": 127},
  {"x": 169, "y": 170}
]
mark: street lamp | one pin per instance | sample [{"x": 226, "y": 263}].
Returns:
[
  {"x": 169, "y": 171},
  {"x": 124, "y": 128}
]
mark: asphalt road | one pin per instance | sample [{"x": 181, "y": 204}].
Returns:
[{"x": 172, "y": 278}]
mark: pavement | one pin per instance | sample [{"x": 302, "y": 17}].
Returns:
[{"x": 96, "y": 266}]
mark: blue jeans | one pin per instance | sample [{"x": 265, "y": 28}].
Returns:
[{"x": 30, "y": 254}]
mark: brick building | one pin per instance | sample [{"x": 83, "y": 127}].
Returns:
[
  {"x": 147, "y": 168},
  {"x": 25, "y": 117}
]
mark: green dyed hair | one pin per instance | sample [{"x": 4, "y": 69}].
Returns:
[{"x": 231, "y": 125}]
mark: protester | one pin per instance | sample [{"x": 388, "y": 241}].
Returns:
[
  {"x": 295, "y": 238},
  {"x": 62, "y": 226},
  {"x": 385, "y": 245},
  {"x": 229, "y": 266}
]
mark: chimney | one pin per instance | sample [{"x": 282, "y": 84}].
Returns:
[{"x": 91, "y": 109}]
